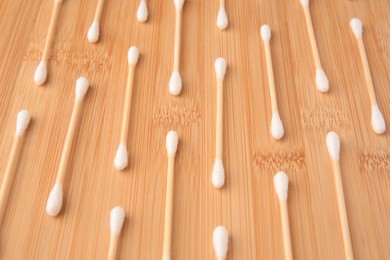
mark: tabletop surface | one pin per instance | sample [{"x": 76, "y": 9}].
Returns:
[{"x": 247, "y": 205}]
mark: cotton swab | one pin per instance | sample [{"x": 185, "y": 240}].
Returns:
[
  {"x": 218, "y": 175},
  {"x": 142, "y": 12},
  {"x": 172, "y": 141},
  {"x": 117, "y": 217},
  {"x": 377, "y": 120},
  {"x": 333, "y": 146},
  {"x": 121, "y": 159},
  {"x": 54, "y": 203},
  {"x": 94, "y": 30},
  {"x": 41, "y": 71},
  {"x": 281, "y": 188},
  {"x": 277, "y": 129},
  {"x": 175, "y": 82},
  {"x": 322, "y": 81},
  {"x": 222, "y": 19},
  {"x": 220, "y": 242},
  {"x": 22, "y": 121}
]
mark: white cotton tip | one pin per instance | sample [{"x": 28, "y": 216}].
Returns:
[
  {"x": 22, "y": 121},
  {"x": 220, "y": 67},
  {"x": 322, "y": 81},
  {"x": 172, "y": 141},
  {"x": 117, "y": 217},
  {"x": 333, "y": 145},
  {"x": 121, "y": 160},
  {"x": 179, "y": 4},
  {"x": 133, "y": 55},
  {"x": 142, "y": 12},
  {"x": 218, "y": 175},
  {"x": 221, "y": 241},
  {"x": 277, "y": 129},
  {"x": 175, "y": 83},
  {"x": 222, "y": 19},
  {"x": 94, "y": 32},
  {"x": 54, "y": 203},
  {"x": 377, "y": 120},
  {"x": 40, "y": 73},
  {"x": 357, "y": 27},
  {"x": 82, "y": 85},
  {"x": 265, "y": 32},
  {"x": 281, "y": 185},
  {"x": 304, "y": 2}
]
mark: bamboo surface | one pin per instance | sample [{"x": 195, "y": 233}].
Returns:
[{"x": 247, "y": 205}]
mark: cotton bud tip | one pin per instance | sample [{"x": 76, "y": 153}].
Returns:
[
  {"x": 222, "y": 19},
  {"x": 377, "y": 120},
  {"x": 265, "y": 32},
  {"x": 121, "y": 160},
  {"x": 172, "y": 141},
  {"x": 142, "y": 12},
  {"x": 220, "y": 67},
  {"x": 54, "y": 203},
  {"x": 357, "y": 27},
  {"x": 117, "y": 217},
  {"x": 40, "y": 73},
  {"x": 22, "y": 120},
  {"x": 221, "y": 241},
  {"x": 333, "y": 145},
  {"x": 94, "y": 32},
  {"x": 82, "y": 86},
  {"x": 218, "y": 175},
  {"x": 133, "y": 55},
  {"x": 175, "y": 84},
  {"x": 281, "y": 185}
]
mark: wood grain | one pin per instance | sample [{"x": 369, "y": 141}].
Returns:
[{"x": 247, "y": 205}]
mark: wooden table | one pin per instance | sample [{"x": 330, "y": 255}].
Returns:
[{"x": 247, "y": 205}]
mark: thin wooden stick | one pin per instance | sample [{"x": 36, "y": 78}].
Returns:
[
  {"x": 218, "y": 176},
  {"x": 121, "y": 158},
  {"x": 117, "y": 217},
  {"x": 377, "y": 120},
  {"x": 333, "y": 146},
  {"x": 41, "y": 71},
  {"x": 54, "y": 203},
  {"x": 9, "y": 175},
  {"x": 281, "y": 188},
  {"x": 171, "y": 143},
  {"x": 175, "y": 83},
  {"x": 99, "y": 10},
  {"x": 321, "y": 78},
  {"x": 285, "y": 230},
  {"x": 277, "y": 129}
]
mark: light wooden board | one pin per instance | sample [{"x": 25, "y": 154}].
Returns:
[{"x": 247, "y": 205}]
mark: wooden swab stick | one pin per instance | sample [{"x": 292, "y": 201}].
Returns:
[
  {"x": 277, "y": 129},
  {"x": 121, "y": 158},
  {"x": 41, "y": 71},
  {"x": 281, "y": 188},
  {"x": 222, "y": 19},
  {"x": 142, "y": 12},
  {"x": 172, "y": 141},
  {"x": 175, "y": 82},
  {"x": 333, "y": 146},
  {"x": 94, "y": 30},
  {"x": 117, "y": 217},
  {"x": 220, "y": 242},
  {"x": 54, "y": 203},
  {"x": 218, "y": 175},
  {"x": 22, "y": 121},
  {"x": 377, "y": 121},
  {"x": 322, "y": 81}
]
